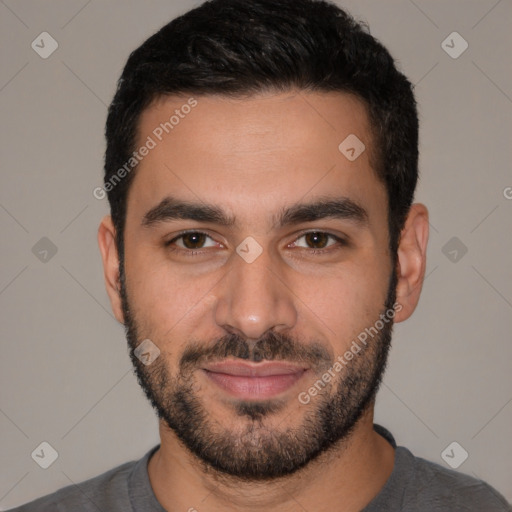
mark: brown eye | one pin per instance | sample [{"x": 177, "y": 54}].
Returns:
[
  {"x": 316, "y": 239},
  {"x": 193, "y": 240}
]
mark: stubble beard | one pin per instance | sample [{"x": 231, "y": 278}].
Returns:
[{"x": 258, "y": 449}]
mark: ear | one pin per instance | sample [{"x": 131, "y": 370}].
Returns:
[
  {"x": 110, "y": 257},
  {"x": 412, "y": 261}
]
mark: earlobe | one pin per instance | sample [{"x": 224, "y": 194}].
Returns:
[
  {"x": 411, "y": 265},
  {"x": 110, "y": 258}
]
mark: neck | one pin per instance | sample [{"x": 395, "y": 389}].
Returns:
[{"x": 346, "y": 478}]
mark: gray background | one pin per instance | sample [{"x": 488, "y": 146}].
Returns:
[{"x": 65, "y": 376}]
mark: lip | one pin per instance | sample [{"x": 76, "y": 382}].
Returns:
[{"x": 254, "y": 381}]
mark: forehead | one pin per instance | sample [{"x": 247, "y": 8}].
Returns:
[
  {"x": 253, "y": 153},
  {"x": 260, "y": 122}
]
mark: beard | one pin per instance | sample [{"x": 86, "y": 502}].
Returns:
[{"x": 260, "y": 450}]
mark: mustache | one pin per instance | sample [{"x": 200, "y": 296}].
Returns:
[{"x": 271, "y": 347}]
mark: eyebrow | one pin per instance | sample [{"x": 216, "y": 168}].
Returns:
[{"x": 170, "y": 209}]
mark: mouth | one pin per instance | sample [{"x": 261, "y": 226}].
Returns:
[{"x": 254, "y": 381}]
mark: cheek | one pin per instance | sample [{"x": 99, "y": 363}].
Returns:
[
  {"x": 163, "y": 297},
  {"x": 344, "y": 303}
]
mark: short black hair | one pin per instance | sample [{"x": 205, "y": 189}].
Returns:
[{"x": 239, "y": 48}]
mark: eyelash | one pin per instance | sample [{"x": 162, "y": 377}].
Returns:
[{"x": 192, "y": 252}]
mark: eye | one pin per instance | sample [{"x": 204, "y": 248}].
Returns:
[
  {"x": 191, "y": 240},
  {"x": 317, "y": 241}
]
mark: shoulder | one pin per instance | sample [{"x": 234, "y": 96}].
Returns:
[
  {"x": 108, "y": 491},
  {"x": 441, "y": 489}
]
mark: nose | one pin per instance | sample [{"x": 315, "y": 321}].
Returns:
[{"x": 255, "y": 297}]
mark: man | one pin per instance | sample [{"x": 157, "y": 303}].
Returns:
[{"x": 261, "y": 164}]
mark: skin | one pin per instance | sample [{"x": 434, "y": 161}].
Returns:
[{"x": 252, "y": 157}]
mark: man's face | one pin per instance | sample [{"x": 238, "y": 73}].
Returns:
[{"x": 249, "y": 314}]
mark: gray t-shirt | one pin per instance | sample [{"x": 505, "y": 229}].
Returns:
[{"x": 415, "y": 485}]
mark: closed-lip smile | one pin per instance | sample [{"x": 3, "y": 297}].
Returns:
[{"x": 248, "y": 380}]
